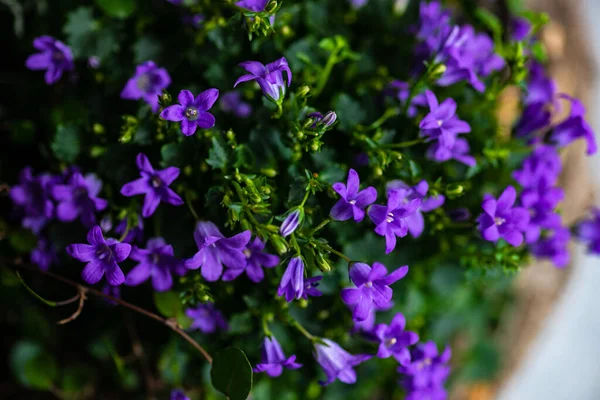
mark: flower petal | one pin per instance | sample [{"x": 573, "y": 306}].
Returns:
[
  {"x": 93, "y": 272},
  {"x": 81, "y": 252},
  {"x": 205, "y": 100},
  {"x": 205, "y": 120},
  {"x": 185, "y": 98},
  {"x": 173, "y": 113},
  {"x": 138, "y": 186}
]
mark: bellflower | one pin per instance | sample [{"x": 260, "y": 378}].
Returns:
[
  {"x": 291, "y": 222},
  {"x": 425, "y": 374},
  {"x": 394, "y": 340},
  {"x": 192, "y": 113},
  {"x": 535, "y": 117},
  {"x": 178, "y": 394},
  {"x": 269, "y": 77},
  {"x": 372, "y": 288},
  {"x": 273, "y": 360},
  {"x": 543, "y": 163},
  {"x": 310, "y": 287},
  {"x": 541, "y": 200},
  {"x": 231, "y": 102},
  {"x": 336, "y": 362},
  {"x": 368, "y": 324},
  {"x": 541, "y": 89},
  {"x": 253, "y": 5},
  {"x": 432, "y": 16},
  {"x": 353, "y": 202},
  {"x": 501, "y": 220},
  {"x": 102, "y": 257},
  {"x": 574, "y": 127},
  {"x": 415, "y": 221},
  {"x": 459, "y": 152},
  {"x": 256, "y": 260},
  {"x": 206, "y": 318},
  {"x": 390, "y": 220},
  {"x": 588, "y": 232},
  {"x": 442, "y": 123},
  {"x": 520, "y": 28},
  {"x": 32, "y": 196},
  {"x": 154, "y": 184},
  {"x": 79, "y": 197},
  {"x": 459, "y": 214},
  {"x": 44, "y": 254},
  {"x": 292, "y": 282},
  {"x": 554, "y": 247},
  {"x": 54, "y": 56},
  {"x": 214, "y": 250},
  {"x": 148, "y": 83},
  {"x": 156, "y": 261}
]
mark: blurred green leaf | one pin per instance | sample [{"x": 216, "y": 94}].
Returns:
[
  {"x": 117, "y": 8},
  {"x": 22, "y": 240},
  {"x": 217, "y": 156},
  {"x": 66, "y": 145},
  {"x": 349, "y": 112},
  {"x": 231, "y": 373},
  {"x": 32, "y": 366}
]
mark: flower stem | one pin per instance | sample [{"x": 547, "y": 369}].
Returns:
[
  {"x": 305, "y": 198},
  {"x": 324, "y": 76},
  {"x": 405, "y": 144},
  {"x": 189, "y": 204},
  {"x": 389, "y": 113},
  {"x": 337, "y": 253},
  {"x": 320, "y": 226},
  {"x": 302, "y": 329}
]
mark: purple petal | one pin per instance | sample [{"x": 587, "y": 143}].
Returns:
[
  {"x": 168, "y": 175},
  {"x": 185, "y": 98},
  {"x": 81, "y": 252},
  {"x": 244, "y": 78},
  {"x": 254, "y": 67},
  {"x": 205, "y": 120},
  {"x": 93, "y": 272},
  {"x": 353, "y": 183},
  {"x": 94, "y": 236},
  {"x": 366, "y": 197},
  {"x": 173, "y": 113},
  {"x": 138, "y": 274},
  {"x": 39, "y": 61},
  {"x": 188, "y": 127},
  {"x": 114, "y": 275},
  {"x": 359, "y": 273},
  {"x": 121, "y": 251},
  {"x": 143, "y": 163},
  {"x": 341, "y": 211},
  {"x": 205, "y": 100},
  {"x": 151, "y": 202},
  {"x": 138, "y": 186},
  {"x": 507, "y": 198},
  {"x": 161, "y": 279}
]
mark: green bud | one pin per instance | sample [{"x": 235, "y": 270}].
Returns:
[
  {"x": 322, "y": 263},
  {"x": 300, "y": 135},
  {"x": 246, "y": 225},
  {"x": 269, "y": 172},
  {"x": 230, "y": 135},
  {"x": 378, "y": 171},
  {"x": 454, "y": 189},
  {"x": 98, "y": 129},
  {"x": 279, "y": 244},
  {"x": 315, "y": 145},
  {"x": 303, "y": 91},
  {"x": 165, "y": 99},
  {"x": 437, "y": 72},
  {"x": 271, "y": 8},
  {"x": 255, "y": 198},
  {"x": 187, "y": 170},
  {"x": 309, "y": 122}
]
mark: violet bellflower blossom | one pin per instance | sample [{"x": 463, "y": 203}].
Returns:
[
  {"x": 353, "y": 202},
  {"x": 554, "y": 247},
  {"x": 192, "y": 112},
  {"x": 310, "y": 287},
  {"x": 501, "y": 219},
  {"x": 394, "y": 340},
  {"x": 156, "y": 261},
  {"x": 134, "y": 234},
  {"x": 256, "y": 260},
  {"x": 79, "y": 197},
  {"x": 368, "y": 324},
  {"x": 292, "y": 282},
  {"x": 415, "y": 221},
  {"x": 459, "y": 152},
  {"x": 206, "y": 318},
  {"x": 253, "y": 5},
  {"x": 425, "y": 374},
  {"x": 269, "y": 77},
  {"x": 148, "y": 83},
  {"x": 442, "y": 123},
  {"x": 371, "y": 288},
  {"x": 178, "y": 394},
  {"x": 336, "y": 362},
  {"x": 291, "y": 222},
  {"x": 273, "y": 359},
  {"x": 214, "y": 250},
  {"x": 541, "y": 200},
  {"x": 520, "y": 28},
  {"x": 102, "y": 257},
  {"x": 588, "y": 232},
  {"x": 32, "y": 196},
  {"x": 390, "y": 220},
  {"x": 54, "y": 56},
  {"x": 543, "y": 163},
  {"x": 44, "y": 255},
  {"x": 231, "y": 102},
  {"x": 154, "y": 184},
  {"x": 574, "y": 127}
]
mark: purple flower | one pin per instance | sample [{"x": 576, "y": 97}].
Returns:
[
  {"x": 102, "y": 257},
  {"x": 401, "y": 90},
  {"x": 390, "y": 220},
  {"x": 554, "y": 247},
  {"x": 192, "y": 113},
  {"x": 415, "y": 221},
  {"x": 292, "y": 281},
  {"x": 178, "y": 394},
  {"x": 432, "y": 16},
  {"x": 501, "y": 220},
  {"x": 231, "y": 102},
  {"x": 459, "y": 214},
  {"x": 269, "y": 77},
  {"x": 368, "y": 324},
  {"x": 154, "y": 184},
  {"x": 353, "y": 202},
  {"x": 356, "y": 4},
  {"x": 588, "y": 232},
  {"x": 520, "y": 28},
  {"x": 273, "y": 360},
  {"x": 459, "y": 152},
  {"x": 253, "y": 5},
  {"x": 394, "y": 340},
  {"x": 574, "y": 127},
  {"x": 32, "y": 196},
  {"x": 291, "y": 222},
  {"x": 543, "y": 163},
  {"x": 214, "y": 250},
  {"x": 93, "y": 62},
  {"x": 156, "y": 262},
  {"x": 541, "y": 89},
  {"x": 135, "y": 233},
  {"x": 148, "y": 83},
  {"x": 535, "y": 117},
  {"x": 372, "y": 288},
  {"x": 206, "y": 318},
  {"x": 336, "y": 362},
  {"x": 310, "y": 287},
  {"x": 256, "y": 259},
  {"x": 54, "y": 56},
  {"x": 541, "y": 201},
  {"x": 79, "y": 198},
  {"x": 426, "y": 373},
  {"x": 44, "y": 254},
  {"x": 442, "y": 123}
]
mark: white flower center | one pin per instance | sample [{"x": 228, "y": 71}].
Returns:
[
  {"x": 440, "y": 122},
  {"x": 353, "y": 202},
  {"x": 247, "y": 253},
  {"x": 391, "y": 342},
  {"x": 389, "y": 218},
  {"x": 499, "y": 220},
  {"x": 369, "y": 284}
]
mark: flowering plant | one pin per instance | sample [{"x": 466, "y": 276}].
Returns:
[{"x": 318, "y": 197}]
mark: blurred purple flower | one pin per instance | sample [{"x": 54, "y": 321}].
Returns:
[
  {"x": 310, "y": 287},
  {"x": 273, "y": 360},
  {"x": 554, "y": 247},
  {"x": 574, "y": 127},
  {"x": 292, "y": 281},
  {"x": 231, "y": 102},
  {"x": 32, "y": 196},
  {"x": 256, "y": 260},
  {"x": 442, "y": 123},
  {"x": 588, "y": 231},
  {"x": 501, "y": 220},
  {"x": 148, "y": 83},
  {"x": 253, "y": 5},
  {"x": 156, "y": 261},
  {"x": 520, "y": 28},
  {"x": 79, "y": 197},
  {"x": 425, "y": 374},
  {"x": 206, "y": 318},
  {"x": 336, "y": 362},
  {"x": 394, "y": 340},
  {"x": 44, "y": 255},
  {"x": 54, "y": 56}
]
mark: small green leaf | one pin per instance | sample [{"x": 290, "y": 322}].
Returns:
[
  {"x": 32, "y": 366},
  {"x": 23, "y": 241},
  {"x": 66, "y": 145},
  {"x": 349, "y": 112},
  {"x": 117, "y": 8},
  {"x": 217, "y": 156},
  {"x": 231, "y": 373},
  {"x": 168, "y": 303}
]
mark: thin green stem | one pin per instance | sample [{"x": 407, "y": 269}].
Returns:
[
  {"x": 305, "y": 198},
  {"x": 324, "y": 76},
  {"x": 302, "y": 329},
  {"x": 389, "y": 113},
  {"x": 320, "y": 226},
  {"x": 405, "y": 144},
  {"x": 337, "y": 253},
  {"x": 188, "y": 201}
]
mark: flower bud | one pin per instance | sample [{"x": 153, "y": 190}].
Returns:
[
  {"x": 437, "y": 72},
  {"x": 454, "y": 189},
  {"x": 329, "y": 118},
  {"x": 279, "y": 244},
  {"x": 303, "y": 91},
  {"x": 269, "y": 172},
  {"x": 322, "y": 263},
  {"x": 271, "y": 8},
  {"x": 291, "y": 222}
]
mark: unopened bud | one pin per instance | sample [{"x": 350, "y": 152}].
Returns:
[
  {"x": 165, "y": 99},
  {"x": 272, "y": 7},
  {"x": 269, "y": 172},
  {"x": 279, "y": 244},
  {"x": 454, "y": 189},
  {"x": 322, "y": 263},
  {"x": 291, "y": 222},
  {"x": 303, "y": 91},
  {"x": 329, "y": 118},
  {"x": 437, "y": 72}
]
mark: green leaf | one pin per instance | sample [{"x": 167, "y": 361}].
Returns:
[
  {"x": 117, "y": 8},
  {"x": 349, "y": 112},
  {"x": 80, "y": 24},
  {"x": 240, "y": 323},
  {"x": 492, "y": 22},
  {"x": 173, "y": 362},
  {"x": 231, "y": 373},
  {"x": 66, "y": 145},
  {"x": 217, "y": 156},
  {"x": 168, "y": 303},
  {"x": 146, "y": 48},
  {"x": 23, "y": 241},
  {"x": 32, "y": 366}
]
